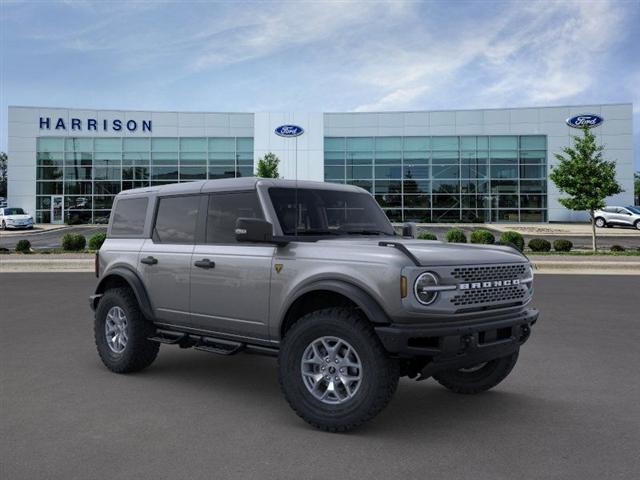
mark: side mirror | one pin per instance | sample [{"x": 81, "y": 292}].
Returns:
[
  {"x": 254, "y": 230},
  {"x": 410, "y": 230}
]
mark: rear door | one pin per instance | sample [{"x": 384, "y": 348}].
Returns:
[
  {"x": 230, "y": 281},
  {"x": 165, "y": 259}
]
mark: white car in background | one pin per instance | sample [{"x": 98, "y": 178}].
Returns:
[
  {"x": 15, "y": 218},
  {"x": 621, "y": 216}
]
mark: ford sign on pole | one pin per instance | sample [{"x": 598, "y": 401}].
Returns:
[
  {"x": 587, "y": 120},
  {"x": 289, "y": 131}
]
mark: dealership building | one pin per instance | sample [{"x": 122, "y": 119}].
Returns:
[{"x": 424, "y": 166}]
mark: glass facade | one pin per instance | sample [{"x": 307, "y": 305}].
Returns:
[
  {"x": 498, "y": 178},
  {"x": 86, "y": 173}
]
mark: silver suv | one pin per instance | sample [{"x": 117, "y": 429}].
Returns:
[
  {"x": 314, "y": 274},
  {"x": 621, "y": 216}
]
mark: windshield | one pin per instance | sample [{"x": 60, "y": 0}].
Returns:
[
  {"x": 634, "y": 210},
  {"x": 13, "y": 211},
  {"x": 307, "y": 211}
]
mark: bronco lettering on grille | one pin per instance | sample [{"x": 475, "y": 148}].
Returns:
[{"x": 495, "y": 283}]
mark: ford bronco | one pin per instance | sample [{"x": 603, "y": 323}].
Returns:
[{"x": 314, "y": 274}]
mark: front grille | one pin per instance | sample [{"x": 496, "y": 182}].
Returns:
[
  {"x": 484, "y": 285},
  {"x": 489, "y": 273},
  {"x": 511, "y": 294}
]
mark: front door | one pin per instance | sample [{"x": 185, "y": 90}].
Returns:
[
  {"x": 229, "y": 280},
  {"x": 57, "y": 209}
]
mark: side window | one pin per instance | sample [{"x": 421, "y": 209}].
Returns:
[
  {"x": 176, "y": 219},
  {"x": 129, "y": 216},
  {"x": 225, "y": 209}
]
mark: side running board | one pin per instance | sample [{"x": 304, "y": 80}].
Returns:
[{"x": 205, "y": 343}]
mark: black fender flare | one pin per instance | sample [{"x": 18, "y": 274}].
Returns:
[
  {"x": 365, "y": 302},
  {"x": 134, "y": 282}
]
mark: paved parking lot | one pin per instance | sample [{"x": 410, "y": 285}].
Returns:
[
  {"x": 569, "y": 410},
  {"x": 627, "y": 237}
]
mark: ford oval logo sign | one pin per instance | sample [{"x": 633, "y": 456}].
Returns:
[
  {"x": 289, "y": 131},
  {"x": 587, "y": 120}
]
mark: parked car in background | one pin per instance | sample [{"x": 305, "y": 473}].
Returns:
[
  {"x": 3, "y": 202},
  {"x": 15, "y": 218},
  {"x": 621, "y": 216}
]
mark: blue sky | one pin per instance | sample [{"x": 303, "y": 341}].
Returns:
[{"x": 318, "y": 56}]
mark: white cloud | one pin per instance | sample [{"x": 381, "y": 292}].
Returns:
[{"x": 525, "y": 55}]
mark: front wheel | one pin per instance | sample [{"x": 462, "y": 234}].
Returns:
[
  {"x": 4, "y": 225},
  {"x": 477, "y": 378},
  {"x": 600, "y": 223},
  {"x": 637, "y": 224},
  {"x": 333, "y": 370}
]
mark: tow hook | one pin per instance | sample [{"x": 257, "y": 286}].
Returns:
[{"x": 467, "y": 342}]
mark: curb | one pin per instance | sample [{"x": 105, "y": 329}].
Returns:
[
  {"x": 27, "y": 265},
  {"x": 584, "y": 267},
  {"x": 49, "y": 265}
]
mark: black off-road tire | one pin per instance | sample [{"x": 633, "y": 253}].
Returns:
[
  {"x": 380, "y": 374},
  {"x": 483, "y": 379},
  {"x": 139, "y": 352}
]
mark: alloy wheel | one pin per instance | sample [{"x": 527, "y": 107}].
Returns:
[
  {"x": 116, "y": 331},
  {"x": 331, "y": 370}
]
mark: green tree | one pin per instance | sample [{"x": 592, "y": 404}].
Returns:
[
  {"x": 3, "y": 174},
  {"x": 636, "y": 188},
  {"x": 268, "y": 166},
  {"x": 585, "y": 177}
]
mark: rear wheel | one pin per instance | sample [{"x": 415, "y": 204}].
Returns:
[
  {"x": 333, "y": 370},
  {"x": 477, "y": 378},
  {"x": 600, "y": 223},
  {"x": 121, "y": 333}
]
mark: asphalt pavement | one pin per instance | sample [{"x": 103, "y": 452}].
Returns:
[
  {"x": 53, "y": 238},
  {"x": 579, "y": 241},
  {"x": 569, "y": 409}
]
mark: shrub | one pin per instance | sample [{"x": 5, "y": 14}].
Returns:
[
  {"x": 73, "y": 242},
  {"x": 617, "y": 248},
  {"x": 96, "y": 240},
  {"x": 539, "y": 245},
  {"x": 455, "y": 235},
  {"x": 514, "y": 238},
  {"x": 482, "y": 236},
  {"x": 562, "y": 245},
  {"x": 23, "y": 246},
  {"x": 427, "y": 236}
]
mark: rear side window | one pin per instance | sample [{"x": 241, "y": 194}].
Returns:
[
  {"x": 176, "y": 219},
  {"x": 129, "y": 216},
  {"x": 225, "y": 209}
]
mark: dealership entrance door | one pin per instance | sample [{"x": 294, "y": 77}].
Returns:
[{"x": 57, "y": 209}]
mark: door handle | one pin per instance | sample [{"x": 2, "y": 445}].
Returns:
[
  {"x": 149, "y": 260},
  {"x": 204, "y": 263}
]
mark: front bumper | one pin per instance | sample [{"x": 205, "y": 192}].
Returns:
[
  {"x": 20, "y": 226},
  {"x": 459, "y": 345}
]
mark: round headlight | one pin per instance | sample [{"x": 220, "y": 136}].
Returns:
[{"x": 423, "y": 288}]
